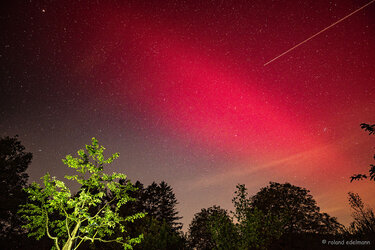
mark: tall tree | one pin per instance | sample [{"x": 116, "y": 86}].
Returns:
[
  {"x": 256, "y": 228},
  {"x": 200, "y": 235},
  {"x": 297, "y": 206},
  {"x": 160, "y": 202},
  {"x": 13, "y": 163},
  {"x": 249, "y": 228},
  {"x": 91, "y": 215},
  {"x": 371, "y": 129},
  {"x": 224, "y": 232}
]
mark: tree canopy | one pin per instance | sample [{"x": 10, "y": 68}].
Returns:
[
  {"x": 297, "y": 206},
  {"x": 91, "y": 215},
  {"x": 200, "y": 235},
  {"x": 160, "y": 235},
  {"x": 247, "y": 228}
]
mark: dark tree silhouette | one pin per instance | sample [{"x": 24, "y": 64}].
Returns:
[
  {"x": 225, "y": 233},
  {"x": 160, "y": 203},
  {"x": 371, "y": 130},
  {"x": 159, "y": 236},
  {"x": 248, "y": 228},
  {"x": 13, "y": 163},
  {"x": 364, "y": 218},
  {"x": 358, "y": 177},
  {"x": 255, "y": 228},
  {"x": 297, "y": 207},
  {"x": 200, "y": 236}
]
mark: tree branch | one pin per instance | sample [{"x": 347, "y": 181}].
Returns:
[
  {"x": 79, "y": 242},
  {"x": 49, "y": 235},
  {"x": 92, "y": 239},
  {"x": 66, "y": 220},
  {"x": 97, "y": 214}
]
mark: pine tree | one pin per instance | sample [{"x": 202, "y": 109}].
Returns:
[{"x": 160, "y": 202}]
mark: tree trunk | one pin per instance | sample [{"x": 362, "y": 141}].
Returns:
[{"x": 69, "y": 243}]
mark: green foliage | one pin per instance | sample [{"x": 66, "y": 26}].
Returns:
[
  {"x": 241, "y": 202},
  {"x": 248, "y": 228},
  {"x": 92, "y": 214},
  {"x": 200, "y": 235},
  {"x": 223, "y": 232},
  {"x": 259, "y": 229},
  {"x": 160, "y": 235},
  {"x": 256, "y": 228}
]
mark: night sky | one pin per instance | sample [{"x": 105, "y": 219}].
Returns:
[{"x": 180, "y": 90}]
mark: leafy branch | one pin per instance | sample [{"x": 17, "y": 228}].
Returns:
[{"x": 91, "y": 211}]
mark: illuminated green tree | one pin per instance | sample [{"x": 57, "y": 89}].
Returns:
[{"x": 90, "y": 215}]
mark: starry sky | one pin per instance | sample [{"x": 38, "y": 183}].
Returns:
[{"x": 180, "y": 90}]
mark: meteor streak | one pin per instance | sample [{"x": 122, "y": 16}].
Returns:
[{"x": 311, "y": 37}]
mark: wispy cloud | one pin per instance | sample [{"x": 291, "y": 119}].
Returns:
[{"x": 242, "y": 169}]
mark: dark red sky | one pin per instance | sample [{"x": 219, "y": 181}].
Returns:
[{"x": 180, "y": 89}]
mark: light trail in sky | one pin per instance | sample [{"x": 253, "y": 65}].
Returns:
[{"x": 311, "y": 37}]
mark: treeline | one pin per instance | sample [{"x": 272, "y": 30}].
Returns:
[
  {"x": 109, "y": 212},
  {"x": 279, "y": 216}
]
